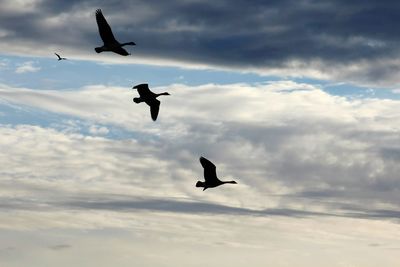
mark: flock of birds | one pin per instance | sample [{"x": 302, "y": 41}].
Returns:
[{"x": 110, "y": 44}]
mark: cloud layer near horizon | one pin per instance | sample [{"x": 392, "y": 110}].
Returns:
[{"x": 353, "y": 42}]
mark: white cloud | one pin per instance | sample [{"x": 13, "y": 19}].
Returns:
[
  {"x": 4, "y": 64},
  {"x": 288, "y": 85},
  {"x": 98, "y": 130},
  {"x": 303, "y": 142},
  {"x": 28, "y": 66},
  {"x": 291, "y": 151}
]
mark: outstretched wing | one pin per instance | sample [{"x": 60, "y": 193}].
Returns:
[
  {"x": 154, "y": 108},
  {"x": 210, "y": 173},
  {"x": 143, "y": 90},
  {"x": 104, "y": 29},
  {"x": 121, "y": 51},
  {"x": 57, "y": 55}
]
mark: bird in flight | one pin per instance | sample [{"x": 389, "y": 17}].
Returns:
[
  {"x": 210, "y": 175},
  {"x": 60, "y": 58},
  {"x": 149, "y": 98},
  {"x": 110, "y": 43}
]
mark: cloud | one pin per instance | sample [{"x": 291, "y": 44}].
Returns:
[
  {"x": 98, "y": 130},
  {"x": 60, "y": 247},
  {"x": 4, "y": 64},
  {"x": 309, "y": 167},
  {"x": 326, "y": 39},
  {"x": 291, "y": 141},
  {"x": 28, "y": 66}
]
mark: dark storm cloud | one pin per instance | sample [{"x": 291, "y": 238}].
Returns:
[{"x": 243, "y": 34}]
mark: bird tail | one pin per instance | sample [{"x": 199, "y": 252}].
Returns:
[
  {"x": 200, "y": 184},
  {"x": 98, "y": 49},
  {"x": 137, "y": 100}
]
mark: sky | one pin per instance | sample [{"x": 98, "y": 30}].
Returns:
[{"x": 297, "y": 101}]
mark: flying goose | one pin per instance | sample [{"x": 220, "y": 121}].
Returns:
[
  {"x": 110, "y": 43},
  {"x": 60, "y": 58},
  {"x": 210, "y": 175},
  {"x": 149, "y": 98}
]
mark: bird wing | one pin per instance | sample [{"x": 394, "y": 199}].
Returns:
[
  {"x": 210, "y": 172},
  {"x": 57, "y": 55},
  {"x": 154, "y": 108},
  {"x": 104, "y": 29},
  {"x": 143, "y": 89},
  {"x": 121, "y": 51}
]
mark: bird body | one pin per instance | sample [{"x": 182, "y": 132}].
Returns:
[
  {"x": 149, "y": 98},
  {"x": 110, "y": 43},
  {"x": 60, "y": 58},
  {"x": 210, "y": 175}
]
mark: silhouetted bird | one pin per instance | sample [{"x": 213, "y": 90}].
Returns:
[
  {"x": 149, "y": 98},
  {"x": 210, "y": 175},
  {"x": 110, "y": 43},
  {"x": 60, "y": 58}
]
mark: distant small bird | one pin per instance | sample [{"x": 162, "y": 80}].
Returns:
[
  {"x": 110, "y": 43},
  {"x": 210, "y": 175},
  {"x": 60, "y": 58},
  {"x": 149, "y": 98}
]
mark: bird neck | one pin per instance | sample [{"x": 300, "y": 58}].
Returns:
[
  {"x": 165, "y": 93},
  {"x": 129, "y": 43},
  {"x": 229, "y": 182}
]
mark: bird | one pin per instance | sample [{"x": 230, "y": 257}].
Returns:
[
  {"x": 60, "y": 58},
  {"x": 110, "y": 43},
  {"x": 149, "y": 98},
  {"x": 210, "y": 175}
]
